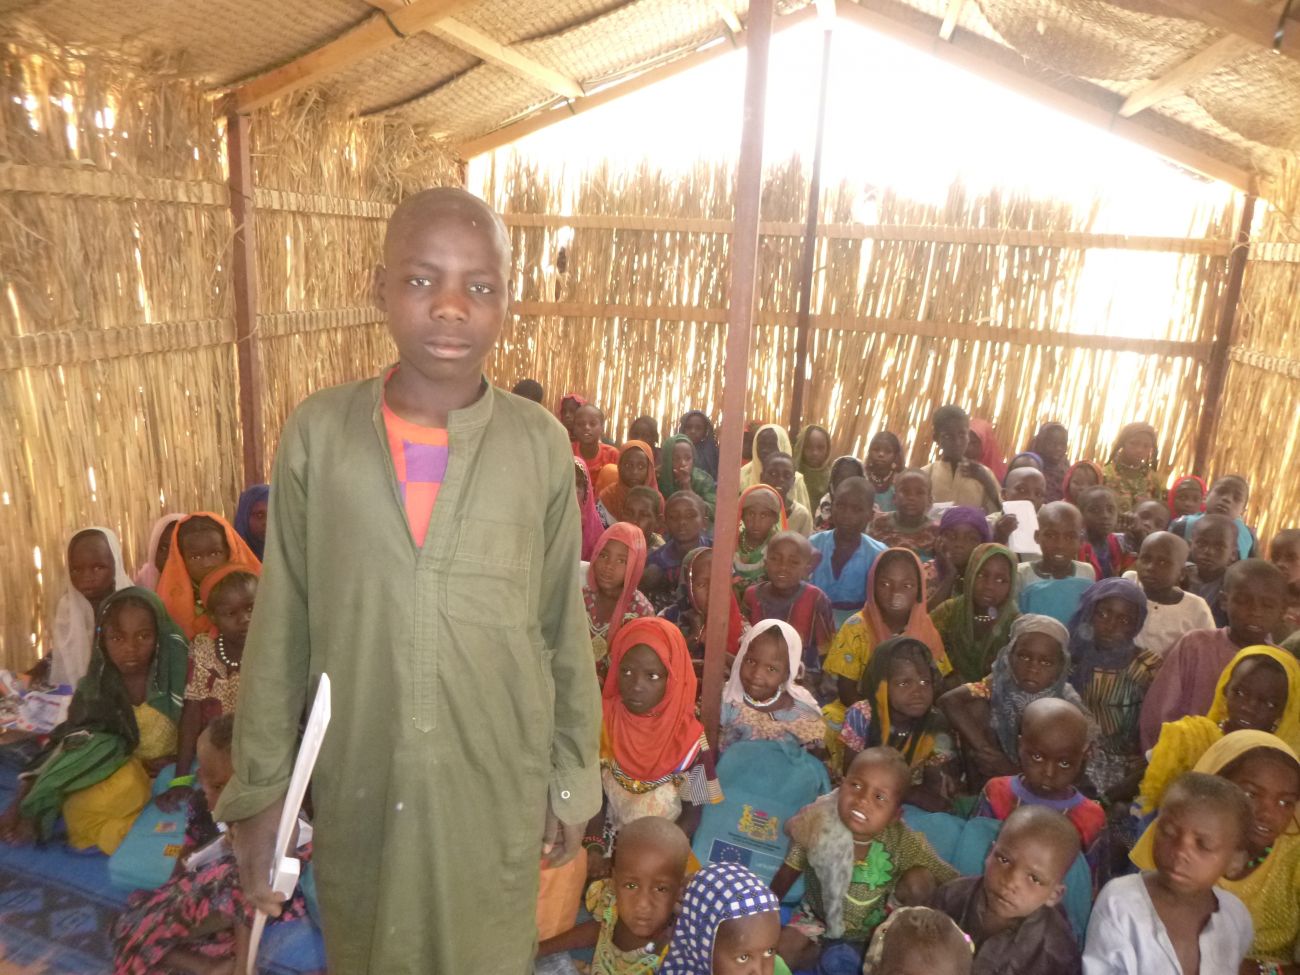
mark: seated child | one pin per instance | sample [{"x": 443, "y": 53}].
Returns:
[
  {"x": 977, "y": 624},
  {"x": 1052, "y": 444},
  {"x": 771, "y": 439},
  {"x": 1284, "y": 552},
  {"x": 678, "y": 472},
  {"x": 841, "y": 470},
  {"x": 635, "y": 468},
  {"x": 592, "y": 524},
  {"x": 885, "y": 461},
  {"x": 784, "y": 594},
  {"x": 1034, "y": 664},
  {"x": 1186, "y": 497},
  {"x": 1079, "y": 478},
  {"x": 1053, "y": 584},
  {"x": 645, "y": 509},
  {"x": 1147, "y": 518},
  {"x": 199, "y": 918},
  {"x": 204, "y": 542},
  {"x": 213, "y": 683},
  {"x": 812, "y": 458},
  {"x": 857, "y": 854},
  {"x": 1025, "y": 484},
  {"x": 1175, "y": 919},
  {"x": 610, "y": 593},
  {"x": 779, "y": 473},
  {"x": 1212, "y": 550},
  {"x": 909, "y": 524},
  {"x": 632, "y": 911},
  {"x": 654, "y": 758},
  {"x": 160, "y": 543},
  {"x": 1100, "y": 510},
  {"x": 1254, "y": 592},
  {"x": 696, "y": 425},
  {"x": 1171, "y": 612},
  {"x": 588, "y": 445},
  {"x": 529, "y": 389},
  {"x": 645, "y": 429},
  {"x": 961, "y": 531},
  {"x": 1259, "y": 691},
  {"x": 691, "y": 608},
  {"x": 844, "y": 555},
  {"x": 1112, "y": 674},
  {"x": 250, "y": 517},
  {"x": 954, "y": 477},
  {"x": 1228, "y": 496},
  {"x": 684, "y": 519},
  {"x": 729, "y": 922},
  {"x": 1010, "y": 912},
  {"x": 918, "y": 939},
  {"x": 895, "y": 605},
  {"x": 120, "y": 731},
  {"x": 569, "y": 406},
  {"x": 762, "y": 515},
  {"x": 897, "y": 710},
  {"x": 1132, "y": 471},
  {"x": 95, "y": 572},
  {"x": 1053, "y": 748},
  {"x": 761, "y": 700}
]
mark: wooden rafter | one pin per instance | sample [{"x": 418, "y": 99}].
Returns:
[
  {"x": 1258, "y": 25},
  {"x": 950, "y": 19},
  {"x": 374, "y": 34},
  {"x": 1205, "y": 62},
  {"x": 481, "y": 46}
]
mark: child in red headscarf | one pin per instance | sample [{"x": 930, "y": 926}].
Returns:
[
  {"x": 203, "y": 543},
  {"x": 654, "y": 758},
  {"x": 610, "y": 592}
]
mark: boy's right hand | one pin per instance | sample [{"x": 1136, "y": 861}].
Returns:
[{"x": 254, "y": 843}]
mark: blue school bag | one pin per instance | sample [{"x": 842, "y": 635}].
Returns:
[
  {"x": 763, "y": 783},
  {"x": 147, "y": 855}
]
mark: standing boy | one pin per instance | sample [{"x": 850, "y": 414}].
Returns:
[{"x": 421, "y": 551}]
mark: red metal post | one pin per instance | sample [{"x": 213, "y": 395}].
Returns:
[{"x": 740, "y": 304}]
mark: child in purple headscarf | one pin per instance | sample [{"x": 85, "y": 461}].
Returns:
[{"x": 961, "y": 530}]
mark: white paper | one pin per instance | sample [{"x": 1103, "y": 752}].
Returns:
[
  {"x": 938, "y": 508},
  {"x": 1022, "y": 539}
]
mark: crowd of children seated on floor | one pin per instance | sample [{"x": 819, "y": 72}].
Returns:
[{"x": 1110, "y": 724}]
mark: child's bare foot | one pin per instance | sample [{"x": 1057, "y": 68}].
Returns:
[{"x": 15, "y": 830}]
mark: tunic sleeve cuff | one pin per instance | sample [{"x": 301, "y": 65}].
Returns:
[
  {"x": 575, "y": 795},
  {"x": 241, "y": 801}
]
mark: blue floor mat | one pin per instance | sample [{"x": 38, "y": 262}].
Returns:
[{"x": 57, "y": 906}]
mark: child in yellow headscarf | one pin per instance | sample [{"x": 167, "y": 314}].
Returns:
[
  {"x": 771, "y": 439},
  {"x": 1259, "y": 690}
]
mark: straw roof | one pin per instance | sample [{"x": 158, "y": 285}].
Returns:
[{"x": 1218, "y": 79}]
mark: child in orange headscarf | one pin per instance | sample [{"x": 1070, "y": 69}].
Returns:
[
  {"x": 203, "y": 543},
  {"x": 654, "y": 758},
  {"x": 635, "y": 468}
]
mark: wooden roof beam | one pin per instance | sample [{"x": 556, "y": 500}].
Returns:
[
  {"x": 950, "y": 19},
  {"x": 374, "y": 34},
  {"x": 1258, "y": 25},
  {"x": 1078, "y": 107},
  {"x": 481, "y": 46},
  {"x": 1199, "y": 65}
]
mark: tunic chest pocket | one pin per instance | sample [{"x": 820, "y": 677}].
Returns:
[{"x": 490, "y": 579}]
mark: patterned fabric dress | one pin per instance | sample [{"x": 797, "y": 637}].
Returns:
[{"x": 608, "y": 958}]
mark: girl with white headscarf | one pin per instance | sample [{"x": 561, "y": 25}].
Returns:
[
  {"x": 95, "y": 572},
  {"x": 761, "y": 700}
]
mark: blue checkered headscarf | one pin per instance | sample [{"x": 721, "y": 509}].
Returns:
[{"x": 720, "y": 892}]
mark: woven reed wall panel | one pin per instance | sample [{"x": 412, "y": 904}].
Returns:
[
  {"x": 118, "y": 397},
  {"x": 1256, "y": 431},
  {"x": 985, "y": 325},
  {"x": 314, "y": 269}
]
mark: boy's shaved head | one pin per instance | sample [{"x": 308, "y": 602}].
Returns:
[
  {"x": 1209, "y": 524},
  {"x": 1256, "y": 574},
  {"x": 1060, "y": 513},
  {"x": 791, "y": 538},
  {"x": 1047, "y": 826},
  {"x": 447, "y": 202},
  {"x": 655, "y": 833}
]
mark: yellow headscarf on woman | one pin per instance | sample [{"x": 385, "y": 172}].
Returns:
[
  {"x": 1183, "y": 742},
  {"x": 752, "y": 473}
]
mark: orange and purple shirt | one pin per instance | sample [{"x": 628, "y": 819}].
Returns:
[{"x": 420, "y": 460}]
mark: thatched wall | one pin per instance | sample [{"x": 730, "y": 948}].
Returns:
[
  {"x": 1256, "y": 434},
  {"x": 988, "y": 300}
]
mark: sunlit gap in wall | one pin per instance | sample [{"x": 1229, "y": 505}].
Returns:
[{"x": 900, "y": 120}]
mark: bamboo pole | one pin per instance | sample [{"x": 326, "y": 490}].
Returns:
[
  {"x": 809, "y": 256},
  {"x": 243, "y": 266},
  {"x": 744, "y": 260},
  {"x": 1219, "y": 356}
]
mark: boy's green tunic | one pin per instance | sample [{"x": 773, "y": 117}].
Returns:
[{"x": 463, "y": 685}]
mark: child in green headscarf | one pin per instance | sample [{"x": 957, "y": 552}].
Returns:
[
  {"x": 121, "y": 730},
  {"x": 977, "y": 624},
  {"x": 677, "y": 472},
  {"x": 812, "y": 459}
]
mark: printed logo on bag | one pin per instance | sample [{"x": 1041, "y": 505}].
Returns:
[{"x": 759, "y": 825}]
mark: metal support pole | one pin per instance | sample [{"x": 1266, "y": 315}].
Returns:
[{"x": 243, "y": 271}]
